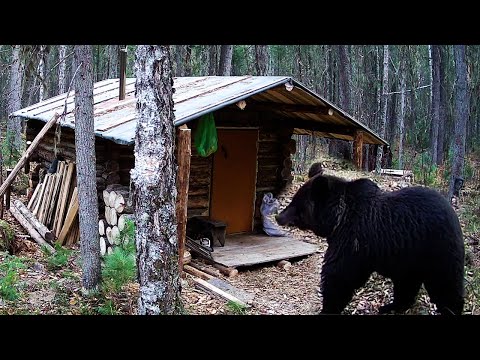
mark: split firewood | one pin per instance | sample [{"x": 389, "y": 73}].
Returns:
[
  {"x": 101, "y": 227},
  {"x": 103, "y": 246}
]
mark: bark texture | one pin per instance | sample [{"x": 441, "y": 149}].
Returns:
[
  {"x": 86, "y": 169},
  {"x": 154, "y": 182}
]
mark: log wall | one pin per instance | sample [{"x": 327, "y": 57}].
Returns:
[{"x": 114, "y": 161}]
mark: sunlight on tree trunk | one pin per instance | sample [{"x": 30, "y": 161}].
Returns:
[{"x": 155, "y": 184}]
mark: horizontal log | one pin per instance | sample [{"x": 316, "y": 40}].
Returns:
[
  {"x": 32, "y": 219},
  {"x": 29, "y": 228},
  {"x": 198, "y": 202},
  {"x": 196, "y": 272}
]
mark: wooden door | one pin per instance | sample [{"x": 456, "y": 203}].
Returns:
[{"x": 234, "y": 178}]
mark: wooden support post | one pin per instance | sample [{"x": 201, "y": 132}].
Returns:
[
  {"x": 357, "y": 149},
  {"x": 123, "y": 73},
  {"x": 7, "y": 192},
  {"x": 184, "y": 152},
  {"x": 27, "y": 154}
]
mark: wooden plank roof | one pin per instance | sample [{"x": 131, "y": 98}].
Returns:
[{"x": 195, "y": 96}]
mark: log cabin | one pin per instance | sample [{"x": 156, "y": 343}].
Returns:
[{"x": 255, "y": 118}]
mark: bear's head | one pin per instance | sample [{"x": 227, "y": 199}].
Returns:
[
  {"x": 317, "y": 206},
  {"x": 315, "y": 169}
]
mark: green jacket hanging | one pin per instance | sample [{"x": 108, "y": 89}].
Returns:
[{"x": 206, "y": 136}]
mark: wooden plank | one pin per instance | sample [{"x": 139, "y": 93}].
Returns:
[
  {"x": 395, "y": 172},
  {"x": 72, "y": 212},
  {"x": 245, "y": 250},
  {"x": 8, "y": 181},
  {"x": 34, "y": 196},
  {"x": 64, "y": 198},
  {"x": 41, "y": 201},
  {"x": 211, "y": 289},
  {"x": 184, "y": 153}
]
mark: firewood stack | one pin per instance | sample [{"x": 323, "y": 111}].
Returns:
[
  {"x": 53, "y": 206},
  {"x": 118, "y": 208}
]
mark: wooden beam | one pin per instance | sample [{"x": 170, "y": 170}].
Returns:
[
  {"x": 318, "y": 126},
  {"x": 8, "y": 181},
  {"x": 357, "y": 149},
  {"x": 211, "y": 289},
  {"x": 123, "y": 73},
  {"x": 298, "y": 108},
  {"x": 32, "y": 219},
  {"x": 27, "y": 226},
  {"x": 184, "y": 153}
]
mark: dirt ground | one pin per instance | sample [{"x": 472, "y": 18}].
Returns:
[{"x": 276, "y": 291}]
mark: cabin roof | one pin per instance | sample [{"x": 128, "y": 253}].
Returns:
[{"x": 196, "y": 96}]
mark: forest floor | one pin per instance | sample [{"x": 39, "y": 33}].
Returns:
[{"x": 43, "y": 288}]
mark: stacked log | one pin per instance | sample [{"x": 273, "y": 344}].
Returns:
[
  {"x": 118, "y": 209},
  {"x": 53, "y": 206}
]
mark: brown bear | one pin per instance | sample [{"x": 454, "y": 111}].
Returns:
[{"x": 411, "y": 236}]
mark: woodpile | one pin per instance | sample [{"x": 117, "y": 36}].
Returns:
[
  {"x": 53, "y": 207},
  {"x": 118, "y": 209}
]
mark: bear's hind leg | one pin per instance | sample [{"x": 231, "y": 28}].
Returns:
[
  {"x": 446, "y": 295},
  {"x": 404, "y": 295}
]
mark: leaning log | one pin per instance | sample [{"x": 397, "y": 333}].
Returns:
[
  {"x": 30, "y": 229},
  {"x": 8, "y": 181},
  {"x": 32, "y": 219}
]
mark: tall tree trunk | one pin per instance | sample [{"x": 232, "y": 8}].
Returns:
[
  {"x": 261, "y": 59},
  {"x": 155, "y": 186},
  {"x": 179, "y": 60},
  {"x": 113, "y": 61},
  {"x": 339, "y": 147},
  {"x": 225, "y": 65},
  {"x": 461, "y": 114},
  {"x": 188, "y": 60},
  {"x": 443, "y": 106},
  {"x": 62, "y": 67},
  {"x": 435, "y": 51},
  {"x": 212, "y": 59},
  {"x": 344, "y": 77},
  {"x": 401, "y": 116},
  {"x": 384, "y": 107},
  {"x": 14, "y": 101},
  {"x": 86, "y": 164},
  {"x": 41, "y": 72}
]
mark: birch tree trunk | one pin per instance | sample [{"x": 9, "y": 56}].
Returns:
[
  {"x": 225, "y": 65},
  {"x": 383, "y": 122},
  {"x": 461, "y": 114},
  {"x": 155, "y": 186},
  {"x": 41, "y": 72},
  {"x": 86, "y": 173},
  {"x": 62, "y": 67},
  {"x": 261, "y": 59},
  {"x": 435, "y": 51},
  {"x": 14, "y": 100}
]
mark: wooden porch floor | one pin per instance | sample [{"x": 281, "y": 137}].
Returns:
[{"x": 251, "y": 249}]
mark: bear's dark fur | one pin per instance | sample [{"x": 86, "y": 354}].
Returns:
[
  {"x": 411, "y": 236},
  {"x": 315, "y": 169}
]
